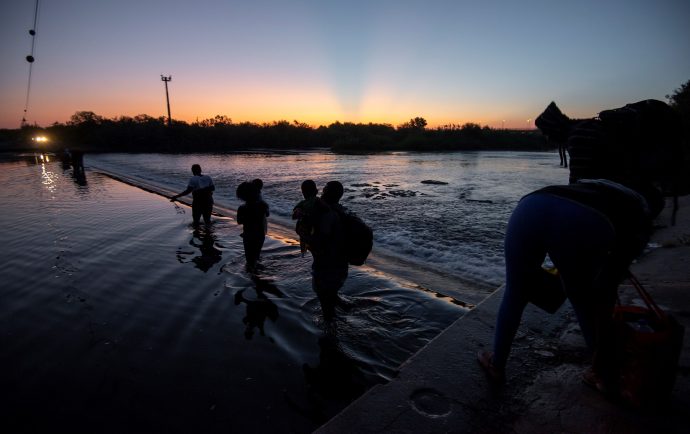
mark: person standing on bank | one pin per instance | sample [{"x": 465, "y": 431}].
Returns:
[
  {"x": 326, "y": 243},
  {"x": 202, "y": 188}
]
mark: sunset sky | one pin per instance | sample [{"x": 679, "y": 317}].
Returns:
[{"x": 497, "y": 63}]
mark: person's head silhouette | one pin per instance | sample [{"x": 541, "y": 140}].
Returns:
[
  {"x": 332, "y": 192},
  {"x": 309, "y": 189}
]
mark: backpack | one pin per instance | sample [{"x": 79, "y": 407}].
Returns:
[{"x": 359, "y": 238}]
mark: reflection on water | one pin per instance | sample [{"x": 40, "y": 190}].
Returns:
[
  {"x": 258, "y": 310},
  {"x": 207, "y": 255},
  {"x": 48, "y": 178},
  {"x": 80, "y": 178},
  {"x": 48, "y": 174},
  {"x": 260, "y": 307},
  {"x": 104, "y": 318}
]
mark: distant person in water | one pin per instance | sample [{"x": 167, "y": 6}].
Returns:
[
  {"x": 326, "y": 244},
  {"x": 77, "y": 162},
  {"x": 66, "y": 158},
  {"x": 252, "y": 216},
  {"x": 202, "y": 188},
  {"x": 304, "y": 211}
]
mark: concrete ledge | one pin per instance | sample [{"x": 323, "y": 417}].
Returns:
[{"x": 443, "y": 389}]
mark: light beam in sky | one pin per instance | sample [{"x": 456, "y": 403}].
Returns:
[{"x": 495, "y": 63}]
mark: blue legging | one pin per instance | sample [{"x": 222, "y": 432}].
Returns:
[{"x": 578, "y": 240}]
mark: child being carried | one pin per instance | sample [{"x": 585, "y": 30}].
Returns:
[{"x": 304, "y": 213}]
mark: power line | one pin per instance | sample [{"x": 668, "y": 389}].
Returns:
[{"x": 30, "y": 59}]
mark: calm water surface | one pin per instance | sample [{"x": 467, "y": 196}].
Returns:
[{"x": 117, "y": 316}]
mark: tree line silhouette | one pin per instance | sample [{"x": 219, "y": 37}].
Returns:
[{"x": 91, "y": 132}]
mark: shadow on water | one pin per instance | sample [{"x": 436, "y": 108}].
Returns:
[
  {"x": 335, "y": 381},
  {"x": 337, "y": 375},
  {"x": 265, "y": 285}
]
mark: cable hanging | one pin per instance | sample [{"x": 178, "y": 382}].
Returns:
[{"x": 30, "y": 59}]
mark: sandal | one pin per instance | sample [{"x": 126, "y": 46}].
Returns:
[{"x": 486, "y": 360}]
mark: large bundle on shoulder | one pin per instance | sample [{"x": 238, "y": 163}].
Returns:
[
  {"x": 639, "y": 142},
  {"x": 638, "y": 145}
]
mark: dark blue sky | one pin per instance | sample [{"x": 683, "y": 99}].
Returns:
[{"x": 492, "y": 62}]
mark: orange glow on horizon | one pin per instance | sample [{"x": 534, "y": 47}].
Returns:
[
  {"x": 312, "y": 117},
  {"x": 315, "y": 104}
]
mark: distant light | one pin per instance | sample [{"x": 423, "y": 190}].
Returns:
[{"x": 40, "y": 139}]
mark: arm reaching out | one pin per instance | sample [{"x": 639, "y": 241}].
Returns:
[{"x": 187, "y": 191}]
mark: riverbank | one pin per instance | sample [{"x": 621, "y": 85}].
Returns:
[{"x": 443, "y": 389}]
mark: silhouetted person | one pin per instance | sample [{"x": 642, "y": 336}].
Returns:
[
  {"x": 563, "y": 154},
  {"x": 556, "y": 126},
  {"x": 66, "y": 158},
  {"x": 592, "y": 229},
  {"x": 202, "y": 188},
  {"x": 252, "y": 216},
  {"x": 77, "y": 163},
  {"x": 326, "y": 243},
  {"x": 304, "y": 212}
]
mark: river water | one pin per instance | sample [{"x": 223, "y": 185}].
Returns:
[
  {"x": 456, "y": 225},
  {"x": 118, "y": 316}
]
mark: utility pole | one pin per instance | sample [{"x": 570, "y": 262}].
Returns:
[{"x": 167, "y": 97}]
